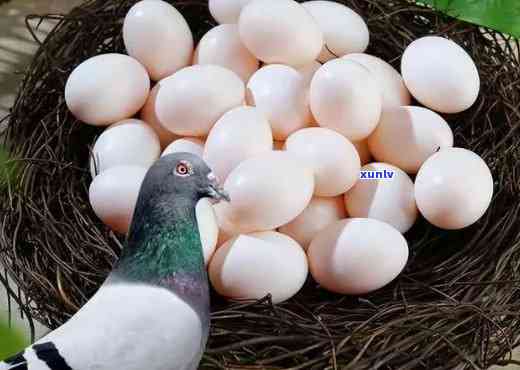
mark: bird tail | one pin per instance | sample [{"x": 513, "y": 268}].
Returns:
[{"x": 16, "y": 362}]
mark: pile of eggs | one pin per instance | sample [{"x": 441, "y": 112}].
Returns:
[{"x": 326, "y": 160}]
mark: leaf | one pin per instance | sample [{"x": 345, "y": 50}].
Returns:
[
  {"x": 11, "y": 342},
  {"x": 7, "y": 169},
  {"x": 501, "y": 15}
]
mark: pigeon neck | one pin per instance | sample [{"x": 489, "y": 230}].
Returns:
[{"x": 164, "y": 249}]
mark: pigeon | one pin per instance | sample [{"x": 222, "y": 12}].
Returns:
[{"x": 152, "y": 312}]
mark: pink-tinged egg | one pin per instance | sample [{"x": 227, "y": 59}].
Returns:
[
  {"x": 208, "y": 228},
  {"x": 193, "y": 99},
  {"x": 344, "y": 31},
  {"x": 320, "y": 213},
  {"x": 453, "y": 188},
  {"x": 357, "y": 256},
  {"x": 186, "y": 145},
  {"x": 385, "y": 193},
  {"x": 157, "y": 35},
  {"x": 149, "y": 115},
  {"x": 308, "y": 71},
  {"x": 280, "y": 31},
  {"x": 222, "y": 46},
  {"x": 345, "y": 97},
  {"x": 280, "y": 93},
  {"x": 266, "y": 191},
  {"x": 106, "y": 89},
  {"x": 130, "y": 142},
  {"x": 331, "y": 156},
  {"x": 226, "y": 11},
  {"x": 364, "y": 152},
  {"x": 113, "y": 195},
  {"x": 254, "y": 265},
  {"x": 408, "y": 136},
  {"x": 395, "y": 92},
  {"x": 440, "y": 74},
  {"x": 241, "y": 133}
]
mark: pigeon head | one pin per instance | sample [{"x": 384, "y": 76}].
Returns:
[{"x": 182, "y": 175}]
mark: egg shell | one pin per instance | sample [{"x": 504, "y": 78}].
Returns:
[
  {"x": 280, "y": 31},
  {"x": 222, "y": 46},
  {"x": 334, "y": 160},
  {"x": 252, "y": 266},
  {"x": 320, "y": 213},
  {"x": 130, "y": 142},
  {"x": 453, "y": 188},
  {"x": 208, "y": 228},
  {"x": 344, "y": 31},
  {"x": 193, "y": 99},
  {"x": 226, "y": 11},
  {"x": 280, "y": 93},
  {"x": 149, "y": 31},
  {"x": 149, "y": 115},
  {"x": 266, "y": 191},
  {"x": 357, "y": 256},
  {"x": 345, "y": 97},
  {"x": 308, "y": 71},
  {"x": 390, "y": 200},
  {"x": 241, "y": 133},
  {"x": 113, "y": 195},
  {"x": 407, "y": 136},
  {"x": 440, "y": 74},
  {"x": 363, "y": 150},
  {"x": 106, "y": 89},
  {"x": 186, "y": 145},
  {"x": 395, "y": 92}
]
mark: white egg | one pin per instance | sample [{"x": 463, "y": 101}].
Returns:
[
  {"x": 157, "y": 35},
  {"x": 344, "y": 31},
  {"x": 149, "y": 115},
  {"x": 252, "y": 266},
  {"x": 453, "y": 188},
  {"x": 107, "y": 88},
  {"x": 113, "y": 195},
  {"x": 345, "y": 97},
  {"x": 226, "y": 11},
  {"x": 334, "y": 160},
  {"x": 407, "y": 136},
  {"x": 266, "y": 191},
  {"x": 357, "y": 256},
  {"x": 308, "y": 71},
  {"x": 395, "y": 92},
  {"x": 208, "y": 228},
  {"x": 320, "y": 213},
  {"x": 130, "y": 143},
  {"x": 280, "y": 93},
  {"x": 385, "y": 193},
  {"x": 241, "y": 133},
  {"x": 222, "y": 46},
  {"x": 186, "y": 145},
  {"x": 280, "y": 31},
  {"x": 193, "y": 99},
  {"x": 364, "y": 152},
  {"x": 440, "y": 74}
]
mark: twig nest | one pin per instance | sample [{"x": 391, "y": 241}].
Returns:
[
  {"x": 158, "y": 36},
  {"x": 106, "y": 89},
  {"x": 280, "y": 31},
  {"x": 440, "y": 74},
  {"x": 408, "y": 136},
  {"x": 357, "y": 255},
  {"x": 453, "y": 188}
]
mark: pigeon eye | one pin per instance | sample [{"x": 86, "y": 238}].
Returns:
[{"x": 183, "y": 169}]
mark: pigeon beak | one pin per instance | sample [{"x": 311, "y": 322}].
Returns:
[{"x": 215, "y": 191}]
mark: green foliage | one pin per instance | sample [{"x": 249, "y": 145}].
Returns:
[
  {"x": 501, "y": 15},
  {"x": 7, "y": 168},
  {"x": 11, "y": 342}
]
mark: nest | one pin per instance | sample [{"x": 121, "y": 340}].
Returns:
[{"x": 455, "y": 306}]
